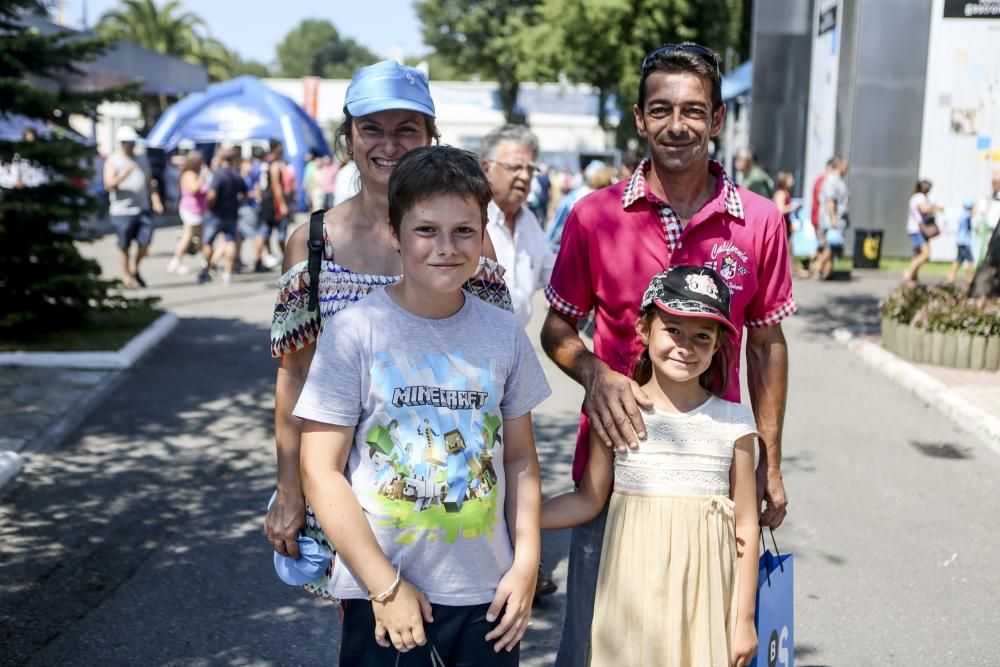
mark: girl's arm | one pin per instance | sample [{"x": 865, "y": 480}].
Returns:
[
  {"x": 742, "y": 484},
  {"x": 325, "y": 448},
  {"x": 516, "y": 589},
  {"x": 579, "y": 506}
]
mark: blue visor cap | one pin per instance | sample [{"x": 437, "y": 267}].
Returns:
[
  {"x": 388, "y": 85},
  {"x": 308, "y": 567}
]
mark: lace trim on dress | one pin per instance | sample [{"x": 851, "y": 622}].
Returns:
[{"x": 665, "y": 479}]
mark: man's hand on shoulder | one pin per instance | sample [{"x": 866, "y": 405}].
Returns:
[{"x": 612, "y": 404}]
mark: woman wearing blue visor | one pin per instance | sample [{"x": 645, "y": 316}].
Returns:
[{"x": 388, "y": 110}]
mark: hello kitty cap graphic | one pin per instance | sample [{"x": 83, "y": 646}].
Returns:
[{"x": 690, "y": 291}]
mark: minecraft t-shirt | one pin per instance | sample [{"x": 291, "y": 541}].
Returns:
[{"x": 429, "y": 398}]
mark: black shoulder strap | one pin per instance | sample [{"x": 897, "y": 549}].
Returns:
[{"x": 315, "y": 255}]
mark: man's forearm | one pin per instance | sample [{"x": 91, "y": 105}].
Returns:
[
  {"x": 767, "y": 372},
  {"x": 562, "y": 342}
]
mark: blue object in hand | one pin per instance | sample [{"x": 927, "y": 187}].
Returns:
[{"x": 309, "y": 566}]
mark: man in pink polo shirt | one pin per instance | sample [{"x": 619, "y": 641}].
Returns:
[{"x": 678, "y": 208}]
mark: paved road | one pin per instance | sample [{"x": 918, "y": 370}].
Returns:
[{"x": 139, "y": 542}]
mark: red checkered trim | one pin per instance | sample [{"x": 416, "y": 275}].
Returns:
[
  {"x": 562, "y": 305},
  {"x": 638, "y": 188},
  {"x": 775, "y": 316}
]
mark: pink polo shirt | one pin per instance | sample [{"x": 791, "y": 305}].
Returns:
[{"x": 618, "y": 238}]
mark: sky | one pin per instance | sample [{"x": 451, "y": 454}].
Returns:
[{"x": 253, "y": 28}]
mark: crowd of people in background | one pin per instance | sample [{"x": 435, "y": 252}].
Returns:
[{"x": 270, "y": 196}]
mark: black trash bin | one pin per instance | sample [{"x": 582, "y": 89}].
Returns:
[{"x": 867, "y": 248}]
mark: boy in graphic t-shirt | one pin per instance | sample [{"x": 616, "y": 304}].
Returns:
[{"x": 424, "y": 396}]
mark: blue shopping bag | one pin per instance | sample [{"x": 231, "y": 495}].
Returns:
[
  {"x": 774, "y": 614},
  {"x": 804, "y": 241}
]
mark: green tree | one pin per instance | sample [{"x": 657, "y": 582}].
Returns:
[
  {"x": 250, "y": 67},
  {"x": 440, "y": 69},
  {"x": 46, "y": 283},
  {"x": 315, "y": 48},
  {"x": 486, "y": 37},
  {"x": 602, "y": 42},
  {"x": 168, "y": 30}
]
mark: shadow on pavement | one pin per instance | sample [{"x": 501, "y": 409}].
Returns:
[{"x": 174, "y": 470}]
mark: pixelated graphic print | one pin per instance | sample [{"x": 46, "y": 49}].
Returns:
[{"x": 435, "y": 448}]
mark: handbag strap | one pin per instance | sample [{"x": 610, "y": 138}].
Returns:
[
  {"x": 315, "y": 256},
  {"x": 436, "y": 659}
]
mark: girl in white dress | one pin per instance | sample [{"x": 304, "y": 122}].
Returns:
[{"x": 678, "y": 575}]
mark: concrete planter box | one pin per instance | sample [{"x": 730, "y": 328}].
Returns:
[
  {"x": 949, "y": 349},
  {"x": 963, "y": 350},
  {"x": 977, "y": 353},
  {"x": 992, "y": 355}
]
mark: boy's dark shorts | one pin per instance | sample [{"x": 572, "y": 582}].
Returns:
[
  {"x": 964, "y": 254},
  {"x": 457, "y": 633},
  {"x": 214, "y": 225},
  {"x": 138, "y": 228},
  {"x": 266, "y": 227}
]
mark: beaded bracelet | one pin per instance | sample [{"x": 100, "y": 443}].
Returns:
[{"x": 382, "y": 597}]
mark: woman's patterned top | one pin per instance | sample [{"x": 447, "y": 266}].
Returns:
[{"x": 295, "y": 327}]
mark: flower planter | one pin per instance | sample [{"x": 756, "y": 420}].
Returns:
[
  {"x": 992, "y": 361},
  {"x": 904, "y": 337},
  {"x": 963, "y": 349},
  {"x": 949, "y": 350},
  {"x": 937, "y": 347},
  {"x": 977, "y": 353},
  {"x": 924, "y": 348},
  {"x": 889, "y": 336},
  {"x": 952, "y": 349}
]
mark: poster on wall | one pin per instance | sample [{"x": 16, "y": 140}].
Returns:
[
  {"x": 961, "y": 121},
  {"x": 963, "y": 9},
  {"x": 821, "y": 128}
]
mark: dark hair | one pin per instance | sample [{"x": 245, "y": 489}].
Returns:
[
  {"x": 715, "y": 379},
  {"x": 923, "y": 186},
  {"x": 344, "y": 131},
  {"x": 678, "y": 61},
  {"x": 275, "y": 144},
  {"x": 783, "y": 181},
  {"x": 428, "y": 171}
]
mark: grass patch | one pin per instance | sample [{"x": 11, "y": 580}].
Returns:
[
  {"x": 104, "y": 331},
  {"x": 897, "y": 265}
]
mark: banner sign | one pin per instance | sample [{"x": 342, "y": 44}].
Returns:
[{"x": 963, "y": 9}]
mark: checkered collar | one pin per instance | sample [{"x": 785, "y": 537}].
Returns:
[{"x": 638, "y": 187}]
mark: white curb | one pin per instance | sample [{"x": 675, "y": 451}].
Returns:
[
  {"x": 125, "y": 357},
  {"x": 930, "y": 390}
]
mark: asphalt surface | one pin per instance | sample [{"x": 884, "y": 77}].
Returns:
[{"x": 140, "y": 540}]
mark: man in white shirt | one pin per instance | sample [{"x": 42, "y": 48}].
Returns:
[
  {"x": 508, "y": 156},
  {"x": 132, "y": 192}
]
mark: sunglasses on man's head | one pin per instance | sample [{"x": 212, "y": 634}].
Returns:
[{"x": 688, "y": 47}]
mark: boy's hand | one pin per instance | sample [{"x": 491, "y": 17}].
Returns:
[
  {"x": 744, "y": 643},
  {"x": 399, "y": 620},
  {"x": 516, "y": 593}
]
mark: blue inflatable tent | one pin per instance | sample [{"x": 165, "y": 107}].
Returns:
[{"x": 238, "y": 110}]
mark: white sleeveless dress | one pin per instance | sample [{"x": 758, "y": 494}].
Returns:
[{"x": 666, "y": 590}]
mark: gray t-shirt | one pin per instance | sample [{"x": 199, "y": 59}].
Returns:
[
  {"x": 131, "y": 196},
  {"x": 429, "y": 398},
  {"x": 833, "y": 188}
]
